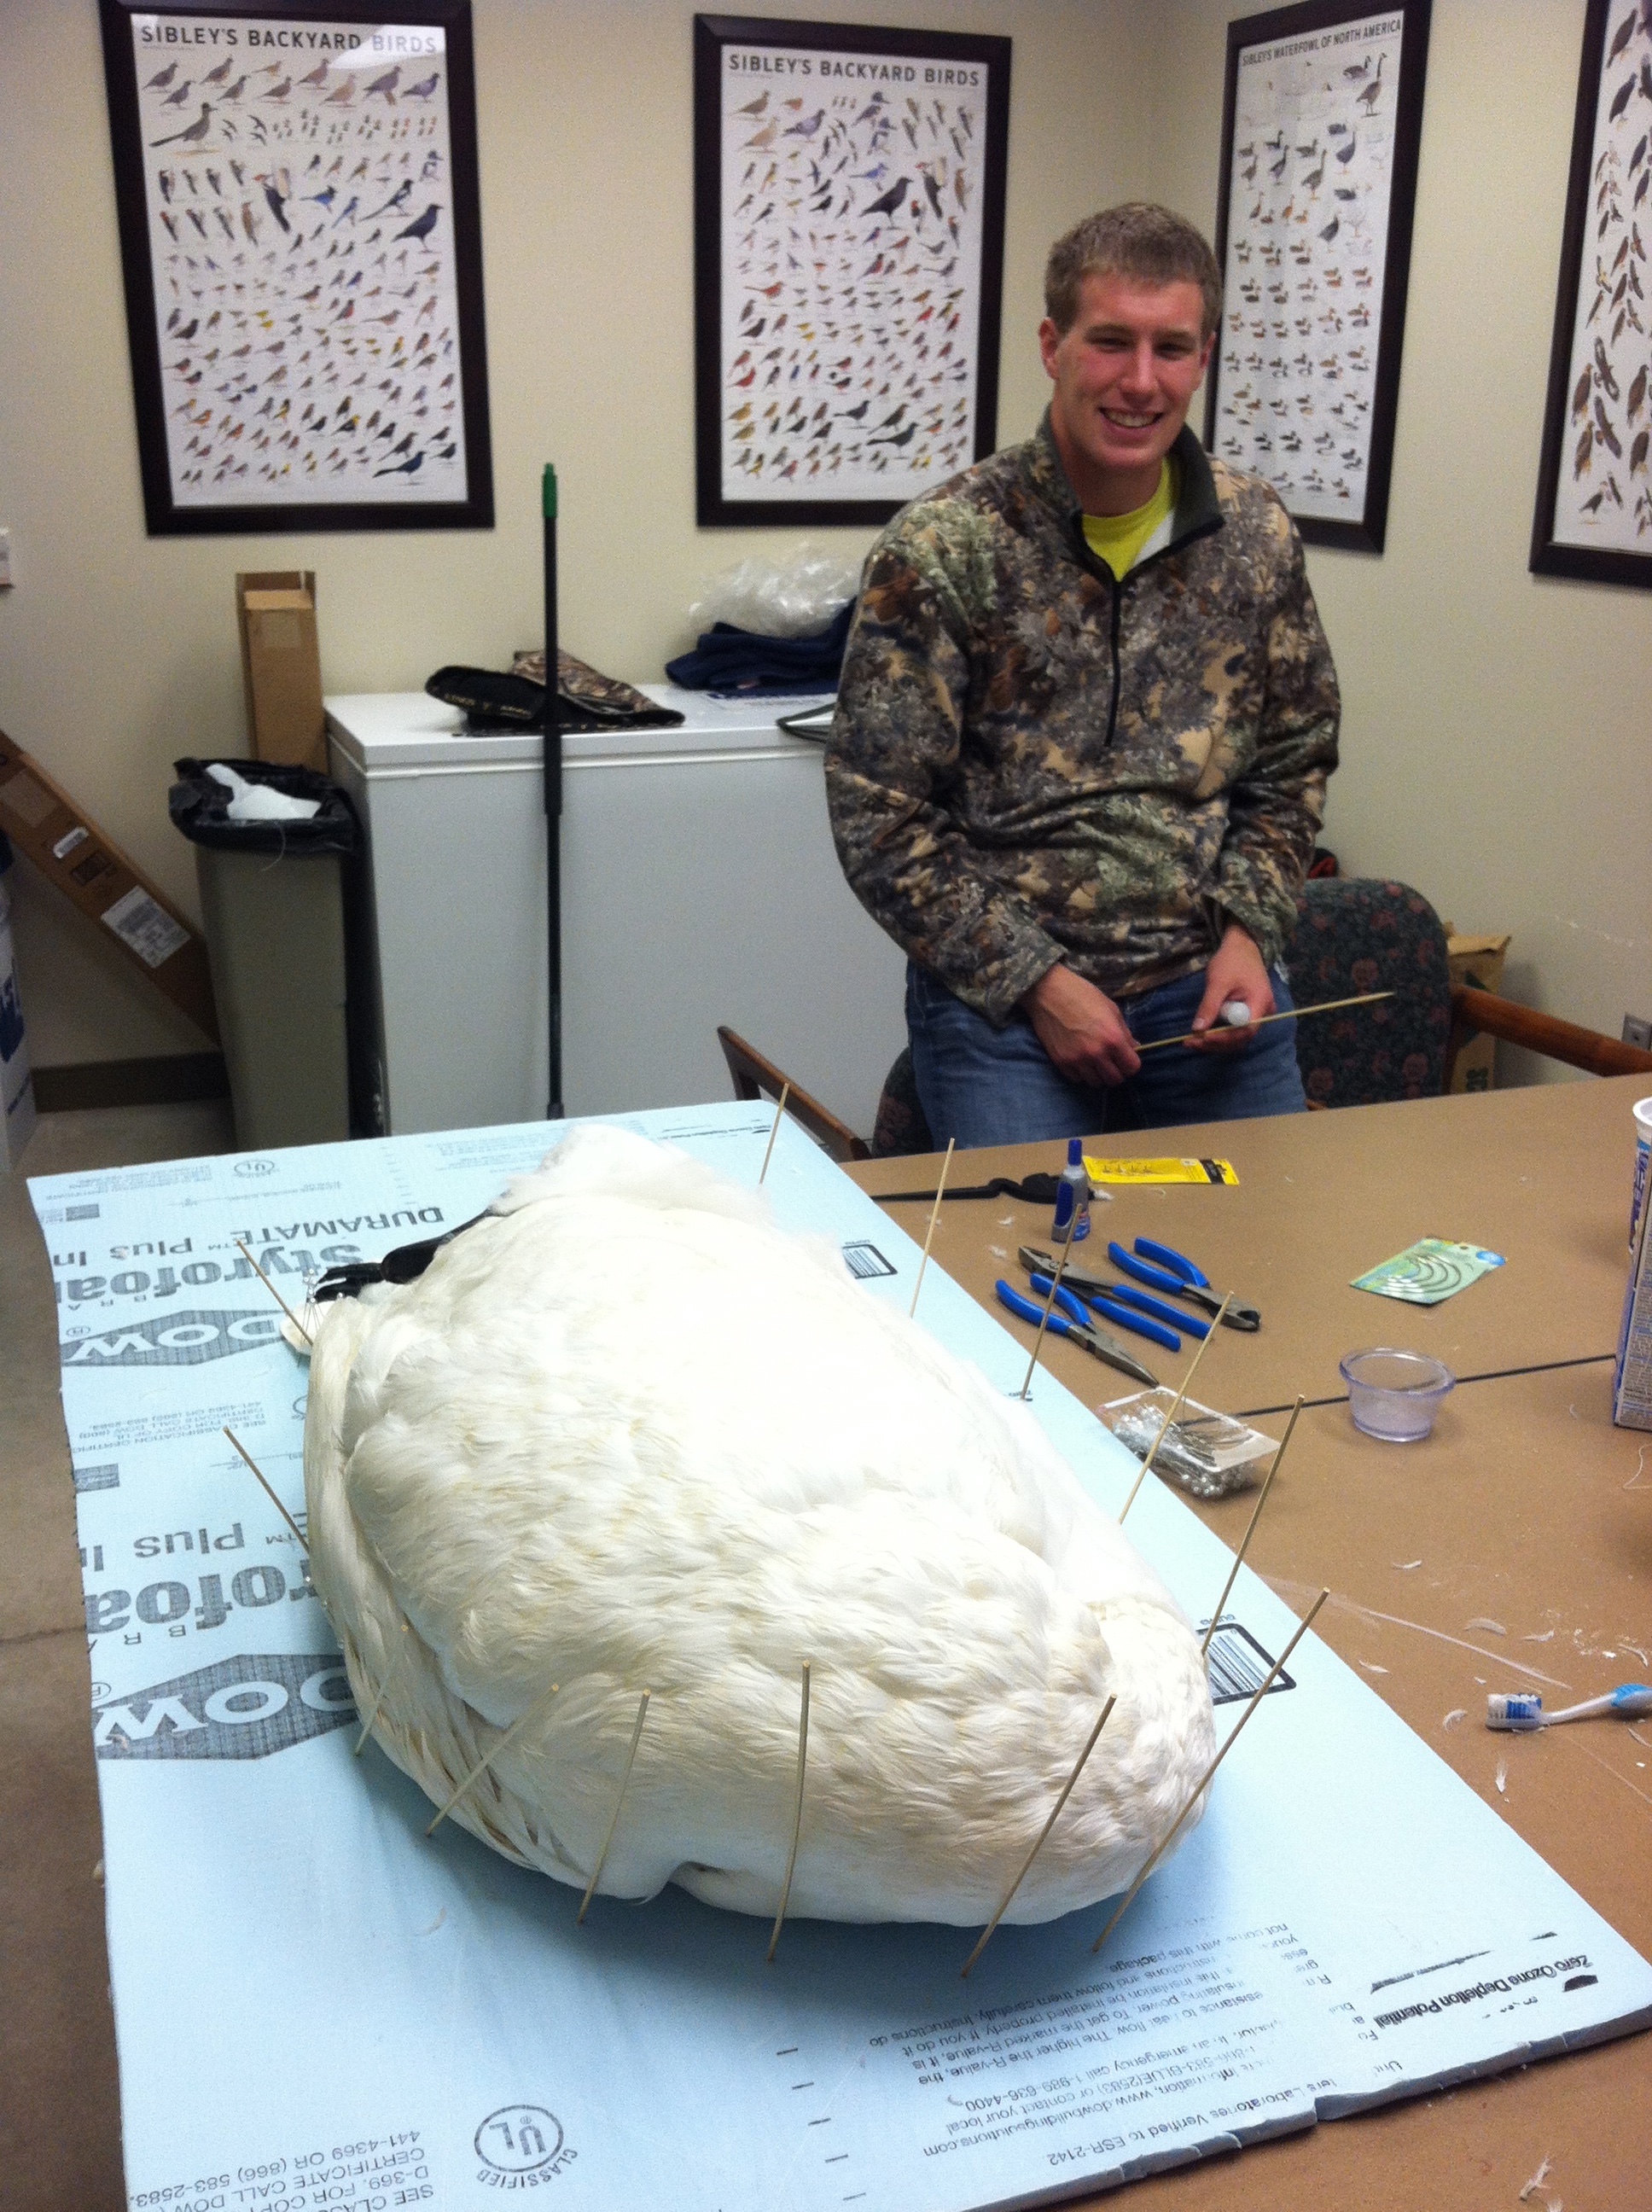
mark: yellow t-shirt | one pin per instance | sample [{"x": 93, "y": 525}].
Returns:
[{"x": 1117, "y": 539}]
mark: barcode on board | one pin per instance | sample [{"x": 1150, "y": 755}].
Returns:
[
  {"x": 1237, "y": 1666},
  {"x": 866, "y": 1260}
]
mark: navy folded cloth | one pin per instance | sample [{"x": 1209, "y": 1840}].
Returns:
[{"x": 730, "y": 660}]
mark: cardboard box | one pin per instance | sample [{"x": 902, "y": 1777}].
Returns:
[
  {"x": 281, "y": 666},
  {"x": 16, "y": 1087},
  {"x": 71, "y": 851},
  {"x": 1476, "y": 962}
]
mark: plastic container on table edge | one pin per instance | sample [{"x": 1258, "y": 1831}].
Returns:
[{"x": 1401, "y": 1410}]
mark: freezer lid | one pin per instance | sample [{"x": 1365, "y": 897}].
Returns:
[{"x": 385, "y": 731}]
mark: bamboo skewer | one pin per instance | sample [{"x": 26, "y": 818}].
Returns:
[
  {"x": 1209, "y": 1775},
  {"x": 1290, "y": 1014},
  {"x": 273, "y": 1292},
  {"x": 935, "y": 1215},
  {"x": 1257, "y": 1514},
  {"x": 1044, "y": 1318},
  {"x": 786, "y": 1092},
  {"x": 268, "y": 1493},
  {"x": 602, "y": 1856},
  {"x": 384, "y": 1686},
  {"x": 1193, "y": 1366},
  {"x": 1043, "y": 1834},
  {"x": 488, "y": 1757},
  {"x": 796, "y": 1818}
]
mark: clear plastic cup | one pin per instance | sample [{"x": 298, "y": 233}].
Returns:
[{"x": 1395, "y": 1395}]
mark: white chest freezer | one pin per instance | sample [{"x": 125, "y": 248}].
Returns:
[{"x": 700, "y": 885}]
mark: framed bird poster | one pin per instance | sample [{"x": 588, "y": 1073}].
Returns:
[
  {"x": 1320, "y": 125},
  {"x": 848, "y": 264},
  {"x": 1594, "y": 517},
  {"x": 296, "y": 187}
]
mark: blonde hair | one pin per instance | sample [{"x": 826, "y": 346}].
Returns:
[{"x": 1136, "y": 238}]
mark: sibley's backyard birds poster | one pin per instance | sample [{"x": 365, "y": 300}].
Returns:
[
  {"x": 852, "y": 222},
  {"x": 298, "y": 202}
]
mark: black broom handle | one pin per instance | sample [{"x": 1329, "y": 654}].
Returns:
[{"x": 553, "y": 804}]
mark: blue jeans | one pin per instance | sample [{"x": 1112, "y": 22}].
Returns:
[{"x": 990, "y": 1086}]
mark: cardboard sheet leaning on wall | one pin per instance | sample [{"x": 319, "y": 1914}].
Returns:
[{"x": 89, "y": 868}]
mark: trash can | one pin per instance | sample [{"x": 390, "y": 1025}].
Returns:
[{"x": 273, "y": 903}]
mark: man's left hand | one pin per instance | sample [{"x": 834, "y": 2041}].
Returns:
[{"x": 1236, "y": 971}]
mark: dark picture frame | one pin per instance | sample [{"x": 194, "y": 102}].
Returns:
[
  {"x": 300, "y": 362},
  {"x": 885, "y": 277},
  {"x": 1321, "y": 121},
  {"x": 1597, "y": 423}
]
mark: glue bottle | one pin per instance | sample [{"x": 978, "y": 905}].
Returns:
[{"x": 1073, "y": 1197}]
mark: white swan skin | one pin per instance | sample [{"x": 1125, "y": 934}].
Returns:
[{"x": 626, "y": 1434}]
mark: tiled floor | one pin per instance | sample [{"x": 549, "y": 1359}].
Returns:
[{"x": 59, "y": 2104}]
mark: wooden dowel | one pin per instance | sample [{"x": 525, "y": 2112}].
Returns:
[
  {"x": 488, "y": 1757},
  {"x": 268, "y": 1493},
  {"x": 786, "y": 1092},
  {"x": 1257, "y": 1514},
  {"x": 273, "y": 1292},
  {"x": 935, "y": 1215},
  {"x": 388, "y": 1677},
  {"x": 1290, "y": 1014},
  {"x": 1044, "y": 1318},
  {"x": 796, "y": 1818},
  {"x": 1043, "y": 1832},
  {"x": 602, "y": 1856},
  {"x": 1209, "y": 1775},
  {"x": 1193, "y": 1366}
]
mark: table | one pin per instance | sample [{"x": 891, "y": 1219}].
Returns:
[
  {"x": 1541, "y": 1176},
  {"x": 1525, "y": 1504},
  {"x": 1525, "y": 1508}
]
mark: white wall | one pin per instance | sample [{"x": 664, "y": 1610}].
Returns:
[
  {"x": 1495, "y": 724},
  {"x": 118, "y": 652},
  {"x": 1492, "y": 719}
]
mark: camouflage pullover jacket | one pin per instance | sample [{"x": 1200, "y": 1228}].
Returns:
[{"x": 1031, "y": 763}]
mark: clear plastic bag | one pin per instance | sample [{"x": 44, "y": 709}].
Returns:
[{"x": 796, "y": 597}]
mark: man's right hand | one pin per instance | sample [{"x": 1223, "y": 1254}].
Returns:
[{"x": 1080, "y": 1028}]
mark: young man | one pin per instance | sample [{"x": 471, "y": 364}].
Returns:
[{"x": 1083, "y": 729}]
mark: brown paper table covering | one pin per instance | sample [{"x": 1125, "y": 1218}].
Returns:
[{"x": 1540, "y": 1175}]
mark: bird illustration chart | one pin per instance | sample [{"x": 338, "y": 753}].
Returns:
[
  {"x": 300, "y": 218},
  {"x": 1603, "y": 497},
  {"x": 1309, "y": 195},
  {"x": 852, "y": 197}
]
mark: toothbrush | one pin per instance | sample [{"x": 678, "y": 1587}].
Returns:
[{"x": 1521, "y": 1710}]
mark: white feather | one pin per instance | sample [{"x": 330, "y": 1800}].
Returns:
[{"x": 625, "y": 1434}]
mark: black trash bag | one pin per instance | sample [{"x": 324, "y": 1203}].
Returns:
[{"x": 199, "y": 806}]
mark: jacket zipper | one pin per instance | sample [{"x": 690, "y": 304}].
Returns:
[
  {"x": 1113, "y": 646},
  {"x": 1117, "y": 586}
]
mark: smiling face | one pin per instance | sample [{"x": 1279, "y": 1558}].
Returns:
[{"x": 1124, "y": 373}]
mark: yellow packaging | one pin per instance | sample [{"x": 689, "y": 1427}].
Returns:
[{"x": 1143, "y": 1171}]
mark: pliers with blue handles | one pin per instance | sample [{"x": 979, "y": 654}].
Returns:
[
  {"x": 1118, "y": 1301},
  {"x": 1175, "y": 1272},
  {"x": 1068, "y": 1318},
  {"x": 1164, "y": 1278}
]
